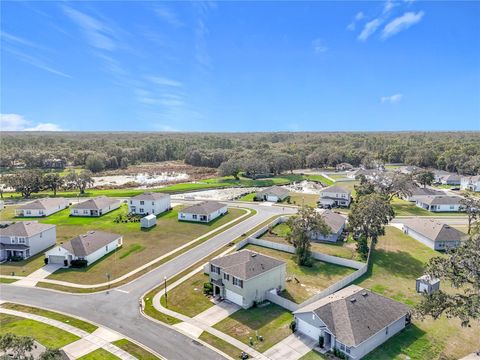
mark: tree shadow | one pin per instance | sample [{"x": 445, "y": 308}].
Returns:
[{"x": 399, "y": 263}]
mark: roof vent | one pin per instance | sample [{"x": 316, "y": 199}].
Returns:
[
  {"x": 353, "y": 300},
  {"x": 92, "y": 232},
  {"x": 84, "y": 235},
  {"x": 364, "y": 294},
  {"x": 254, "y": 254}
]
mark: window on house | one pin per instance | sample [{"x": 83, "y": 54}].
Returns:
[
  {"x": 41, "y": 212},
  {"x": 75, "y": 211},
  {"x": 194, "y": 216},
  {"x": 237, "y": 282},
  {"x": 13, "y": 240},
  {"x": 212, "y": 268},
  {"x": 85, "y": 211},
  {"x": 153, "y": 202},
  {"x": 386, "y": 330},
  {"x": 28, "y": 212},
  {"x": 141, "y": 210},
  {"x": 106, "y": 248},
  {"x": 41, "y": 234},
  {"x": 142, "y": 202},
  {"x": 347, "y": 350},
  {"x": 21, "y": 240},
  {"x": 452, "y": 207},
  {"x": 226, "y": 276}
]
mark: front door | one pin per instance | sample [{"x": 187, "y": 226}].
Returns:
[{"x": 327, "y": 340}]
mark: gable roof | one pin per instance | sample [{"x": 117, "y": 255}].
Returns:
[
  {"x": 150, "y": 196},
  {"x": 471, "y": 179},
  {"x": 439, "y": 199},
  {"x": 354, "y": 314},
  {"x": 25, "y": 228},
  {"x": 333, "y": 220},
  {"x": 434, "y": 230},
  {"x": 203, "y": 208},
  {"x": 246, "y": 264},
  {"x": 421, "y": 191},
  {"x": 96, "y": 203},
  {"x": 336, "y": 189},
  {"x": 274, "y": 190},
  {"x": 43, "y": 204},
  {"x": 86, "y": 244}
]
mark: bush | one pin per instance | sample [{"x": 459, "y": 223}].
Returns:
[
  {"x": 321, "y": 341},
  {"x": 293, "y": 326},
  {"x": 15, "y": 258},
  {"x": 208, "y": 288},
  {"x": 45, "y": 261},
  {"x": 80, "y": 263}
]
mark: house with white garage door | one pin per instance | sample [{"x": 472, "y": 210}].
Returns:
[
  {"x": 433, "y": 233},
  {"x": 245, "y": 277},
  {"x": 90, "y": 247},
  {"x": 353, "y": 320},
  {"x": 149, "y": 203},
  {"x": 95, "y": 207},
  {"x": 42, "y": 207},
  {"x": 273, "y": 194},
  {"x": 203, "y": 212}
]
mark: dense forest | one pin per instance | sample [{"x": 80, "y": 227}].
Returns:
[{"x": 254, "y": 152}]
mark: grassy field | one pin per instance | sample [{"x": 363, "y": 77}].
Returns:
[
  {"x": 304, "y": 199},
  {"x": 135, "y": 350},
  {"x": 248, "y": 197},
  {"x": 99, "y": 354},
  {"x": 139, "y": 246},
  {"x": 221, "y": 344},
  {"x": 85, "y": 326},
  {"x": 187, "y": 298},
  {"x": 46, "y": 335},
  {"x": 270, "y": 321},
  {"x": 397, "y": 261},
  {"x": 311, "y": 280},
  {"x": 319, "y": 178}
]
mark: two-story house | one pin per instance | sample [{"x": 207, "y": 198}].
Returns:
[
  {"x": 335, "y": 196},
  {"x": 149, "y": 203},
  {"x": 471, "y": 183}
]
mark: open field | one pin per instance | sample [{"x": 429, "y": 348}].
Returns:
[
  {"x": 270, "y": 321},
  {"x": 311, "y": 280},
  {"x": 46, "y": 335},
  {"x": 304, "y": 199},
  {"x": 99, "y": 354},
  {"x": 139, "y": 246}
]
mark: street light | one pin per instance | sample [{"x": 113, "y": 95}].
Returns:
[{"x": 165, "y": 281}]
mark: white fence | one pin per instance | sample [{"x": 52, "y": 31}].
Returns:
[{"x": 281, "y": 301}]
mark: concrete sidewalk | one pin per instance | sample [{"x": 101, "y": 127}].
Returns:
[{"x": 38, "y": 275}]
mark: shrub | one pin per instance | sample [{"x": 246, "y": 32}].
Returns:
[
  {"x": 208, "y": 288},
  {"x": 321, "y": 341},
  {"x": 45, "y": 261},
  {"x": 80, "y": 263},
  {"x": 293, "y": 326},
  {"x": 15, "y": 258}
]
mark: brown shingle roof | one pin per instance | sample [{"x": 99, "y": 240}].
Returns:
[
  {"x": 25, "y": 228},
  {"x": 434, "y": 230},
  {"x": 150, "y": 196},
  {"x": 96, "y": 204},
  {"x": 86, "y": 244},
  {"x": 203, "y": 208},
  {"x": 43, "y": 204},
  {"x": 246, "y": 264}
]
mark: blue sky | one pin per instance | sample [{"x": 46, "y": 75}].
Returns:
[{"x": 240, "y": 66}]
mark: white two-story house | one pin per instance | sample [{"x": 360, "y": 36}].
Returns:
[
  {"x": 334, "y": 196},
  {"x": 471, "y": 183},
  {"x": 149, "y": 203}
]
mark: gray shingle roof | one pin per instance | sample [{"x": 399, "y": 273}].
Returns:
[
  {"x": 25, "y": 228},
  {"x": 439, "y": 199},
  {"x": 96, "y": 203},
  {"x": 86, "y": 244},
  {"x": 43, "y": 204},
  {"x": 420, "y": 191},
  {"x": 336, "y": 189},
  {"x": 274, "y": 190},
  {"x": 150, "y": 196},
  {"x": 334, "y": 221},
  {"x": 246, "y": 264},
  {"x": 434, "y": 230},
  {"x": 203, "y": 208},
  {"x": 354, "y": 314}
]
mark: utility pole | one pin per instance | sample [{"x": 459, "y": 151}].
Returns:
[{"x": 166, "y": 300}]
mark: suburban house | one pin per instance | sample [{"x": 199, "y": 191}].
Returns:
[
  {"x": 452, "y": 179},
  {"x": 353, "y": 320},
  {"x": 434, "y": 234},
  {"x": 416, "y": 191},
  {"x": 24, "y": 239},
  {"x": 203, "y": 212},
  {"x": 471, "y": 183},
  {"x": 273, "y": 194},
  {"x": 438, "y": 203},
  {"x": 42, "y": 207},
  {"x": 149, "y": 203},
  {"x": 95, "y": 207},
  {"x": 245, "y": 277},
  {"x": 335, "y": 196},
  {"x": 54, "y": 163},
  {"x": 368, "y": 173},
  {"x": 344, "y": 167},
  {"x": 90, "y": 246},
  {"x": 427, "y": 284},
  {"x": 335, "y": 221}
]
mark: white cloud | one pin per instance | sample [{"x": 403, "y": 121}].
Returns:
[
  {"x": 319, "y": 46},
  {"x": 392, "y": 99},
  {"x": 16, "y": 122},
  {"x": 401, "y": 23},
  {"x": 159, "y": 80},
  {"x": 167, "y": 15},
  {"x": 388, "y": 6},
  {"x": 358, "y": 17},
  {"x": 369, "y": 28}
]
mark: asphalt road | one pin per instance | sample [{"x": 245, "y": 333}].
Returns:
[{"x": 119, "y": 308}]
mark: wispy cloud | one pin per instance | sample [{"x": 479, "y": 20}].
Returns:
[
  {"x": 369, "y": 28},
  {"x": 401, "y": 23},
  {"x": 16, "y": 122},
  {"x": 392, "y": 99},
  {"x": 319, "y": 46},
  {"x": 168, "y": 16},
  {"x": 202, "y": 55},
  {"x": 18, "y": 40},
  {"x": 358, "y": 17},
  {"x": 160, "y": 80},
  {"x": 388, "y": 6}
]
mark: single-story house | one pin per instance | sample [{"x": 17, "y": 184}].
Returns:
[
  {"x": 438, "y": 203},
  {"x": 203, "y": 212},
  {"x": 244, "y": 277},
  {"x": 90, "y": 246},
  {"x": 432, "y": 233},
  {"x": 273, "y": 194},
  {"x": 343, "y": 167},
  {"x": 148, "y": 221},
  {"x": 95, "y": 207},
  {"x": 335, "y": 221},
  {"x": 149, "y": 203},
  {"x": 417, "y": 191},
  {"x": 471, "y": 183},
  {"x": 353, "y": 320},
  {"x": 335, "y": 196},
  {"x": 452, "y": 179},
  {"x": 368, "y": 173},
  {"x": 42, "y": 207},
  {"x": 24, "y": 239},
  {"x": 427, "y": 284}
]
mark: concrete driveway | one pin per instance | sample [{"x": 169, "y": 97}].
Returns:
[
  {"x": 32, "y": 279},
  {"x": 292, "y": 347},
  {"x": 217, "y": 313}
]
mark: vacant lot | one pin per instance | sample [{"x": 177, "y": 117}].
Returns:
[
  {"x": 397, "y": 261},
  {"x": 138, "y": 248},
  {"x": 304, "y": 281}
]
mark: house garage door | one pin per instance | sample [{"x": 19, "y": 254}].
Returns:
[
  {"x": 235, "y": 298},
  {"x": 55, "y": 259},
  {"x": 307, "y": 329}
]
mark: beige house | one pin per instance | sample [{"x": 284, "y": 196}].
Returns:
[{"x": 273, "y": 194}]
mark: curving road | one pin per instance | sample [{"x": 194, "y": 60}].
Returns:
[{"x": 118, "y": 309}]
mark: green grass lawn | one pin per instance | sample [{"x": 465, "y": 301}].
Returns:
[
  {"x": 304, "y": 199},
  {"x": 319, "y": 178},
  {"x": 135, "y": 350},
  {"x": 46, "y": 335},
  {"x": 407, "y": 208},
  {"x": 187, "y": 298},
  {"x": 99, "y": 354},
  {"x": 248, "y": 197},
  {"x": 312, "y": 279},
  {"x": 313, "y": 355},
  {"x": 221, "y": 344},
  {"x": 7, "y": 281},
  {"x": 396, "y": 262},
  {"x": 138, "y": 248},
  {"x": 83, "y": 325},
  {"x": 270, "y": 321}
]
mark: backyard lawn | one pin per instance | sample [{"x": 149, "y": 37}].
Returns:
[
  {"x": 46, "y": 335},
  {"x": 270, "y": 321},
  {"x": 99, "y": 354},
  {"x": 138, "y": 247},
  {"x": 304, "y": 199},
  {"x": 311, "y": 280},
  {"x": 408, "y": 208},
  {"x": 396, "y": 262}
]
